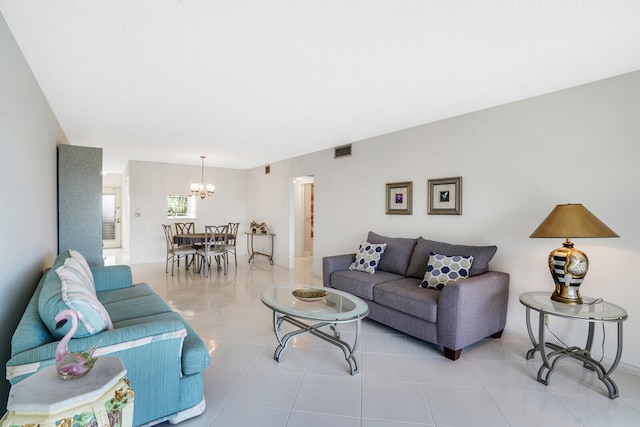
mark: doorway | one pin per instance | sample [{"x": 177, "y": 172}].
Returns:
[
  {"x": 111, "y": 229},
  {"x": 304, "y": 217}
]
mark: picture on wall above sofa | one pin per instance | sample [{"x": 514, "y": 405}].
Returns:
[
  {"x": 444, "y": 196},
  {"x": 399, "y": 198}
]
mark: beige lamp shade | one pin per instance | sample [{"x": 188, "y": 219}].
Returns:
[
  {"x": 572, "y": 220},
  {"x": 569, "y": 266}
]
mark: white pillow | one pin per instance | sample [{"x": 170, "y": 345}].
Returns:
[
  {"x": 92, "y": 316},
  {"x": 72, "y": 265},
  {"x": 87, "y": 275},
  {"x": 368, "y": 257}
]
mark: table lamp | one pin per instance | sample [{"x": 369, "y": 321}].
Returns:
[{"x": 568, "y": 265}]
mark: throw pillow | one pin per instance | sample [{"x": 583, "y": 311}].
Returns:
[
  {"x": 443, "y": 270},
  {"x": 86, "y": 270},
  {"x": 92, "y": 316},
  {"x": 418, "y": 264},
  {"x": 368, "y": 257},
  {"x": 71, "y": 264}
]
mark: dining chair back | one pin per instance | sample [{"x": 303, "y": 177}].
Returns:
[
  {"x": 175, "y": 252},
  {"x": 232, "y": 235},
  {"x": 215, "y": 245},
  {"x": 185, "y": 227}
]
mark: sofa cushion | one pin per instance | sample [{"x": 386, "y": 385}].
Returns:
[
  {"x": 405, "y": 296},
  {"x": 418, "y": 264},
  {"x": 367, "y": 257},
  {"x": 135, "y": 291},
  {"x": 146, "y": 305},
  {"x": 397, "y": 254},
  {"x": 359, "y": 283},
  {"x": 443, "y": 270}
]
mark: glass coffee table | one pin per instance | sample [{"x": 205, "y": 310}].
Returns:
[{"x": 329, "y": 310}]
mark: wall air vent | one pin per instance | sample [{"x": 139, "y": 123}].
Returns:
[{"x": 342, "y": 151}]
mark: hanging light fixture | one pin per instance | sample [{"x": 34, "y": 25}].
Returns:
[{"x": 201, "y": 188}]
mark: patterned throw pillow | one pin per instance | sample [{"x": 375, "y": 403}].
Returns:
[
  {"x": 368, "y": 257},
  {"x": 443, "y": 270}
]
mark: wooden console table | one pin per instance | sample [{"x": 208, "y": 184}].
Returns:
[{"x": 253, "y": 252}]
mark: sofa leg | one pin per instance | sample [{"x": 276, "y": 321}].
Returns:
[
  {"x": 452, "y": 354},
  {"x": 497, "y": 334}
]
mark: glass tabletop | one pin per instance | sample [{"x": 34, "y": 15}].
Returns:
[
  {"x": 337, "y": 306},
  {"x": 591, "y": 309}
]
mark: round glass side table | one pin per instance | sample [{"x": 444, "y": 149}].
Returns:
[{"x": 592, "y": 311}]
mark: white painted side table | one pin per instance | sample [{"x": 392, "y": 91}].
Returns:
[{"x": 102, "y": 398}]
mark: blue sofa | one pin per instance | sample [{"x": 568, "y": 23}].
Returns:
[
  {"x": 164, "y": 356},
  {"x": 453, "y": 317}
]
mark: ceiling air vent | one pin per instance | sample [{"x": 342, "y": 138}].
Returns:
[{"x": 342, "y": 151}]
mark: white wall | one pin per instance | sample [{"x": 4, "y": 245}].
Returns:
[
  {"x": 29, "y": 134},
  {"x": 517, "y": 162},
  {"x": 149, "y": 183}
]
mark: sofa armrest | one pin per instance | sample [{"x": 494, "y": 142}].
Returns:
[
  {"x": 472, "y": 309},
  {"x": 112, "y": 342},
  {"x": 112, "y": 277},
  {"x": 335, "y": 263}
]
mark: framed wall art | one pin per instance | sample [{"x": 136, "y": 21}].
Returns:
[
  {"x": 445, "y": 196},
  {"x": 399, "y": 198}
]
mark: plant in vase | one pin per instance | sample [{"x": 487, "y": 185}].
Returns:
[{"x": 259, "y": 227}]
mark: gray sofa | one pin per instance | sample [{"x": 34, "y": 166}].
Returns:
[{"x": 460, "y": 314}]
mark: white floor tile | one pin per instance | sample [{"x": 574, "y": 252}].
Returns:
[
  {"x": 267, "y": 388},
  {"x": 330, "y": 395},
  {"x": 306, "y": 419},
  {"x": 394, "y": 401},
  {"x": 595, "y": 411},
  {"x": 457, "y": 406},
  {"x": 531, "y": 409},
  {"x": 441, "y": 370},
  {"x": 243, "y": 415}
]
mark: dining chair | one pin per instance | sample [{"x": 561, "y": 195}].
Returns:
[
  {"x": 232, "y": 234},
  {"x": 175, "y": 252},
  {"x": 214, "y": 245},
  {"x": 185, "y": 228}
]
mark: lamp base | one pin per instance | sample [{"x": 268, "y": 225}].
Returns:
[
  {"x": 567, "y": 295},
  {"x": 568, "y": 267}
]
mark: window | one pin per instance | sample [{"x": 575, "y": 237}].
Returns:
[{"x": 179, "y": 206}]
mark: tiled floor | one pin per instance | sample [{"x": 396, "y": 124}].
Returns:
[{"x": 403, "y": 381}]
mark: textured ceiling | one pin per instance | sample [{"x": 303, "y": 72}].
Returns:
[{"x": 251, "y": 82}]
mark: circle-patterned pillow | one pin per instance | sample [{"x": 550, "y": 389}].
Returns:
[
  {"x": 368, "y": 257},
  {"x": 443, "y": 270}
]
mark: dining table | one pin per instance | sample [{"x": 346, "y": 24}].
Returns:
[{"x": 194, "y": 239}]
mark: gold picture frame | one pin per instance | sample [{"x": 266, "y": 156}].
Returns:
[
  {"x": 444, "y": 196},
  {"x": 399, "y": 198}
]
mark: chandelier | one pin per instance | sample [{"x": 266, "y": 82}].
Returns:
[{"x": 201, "y": 188}]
